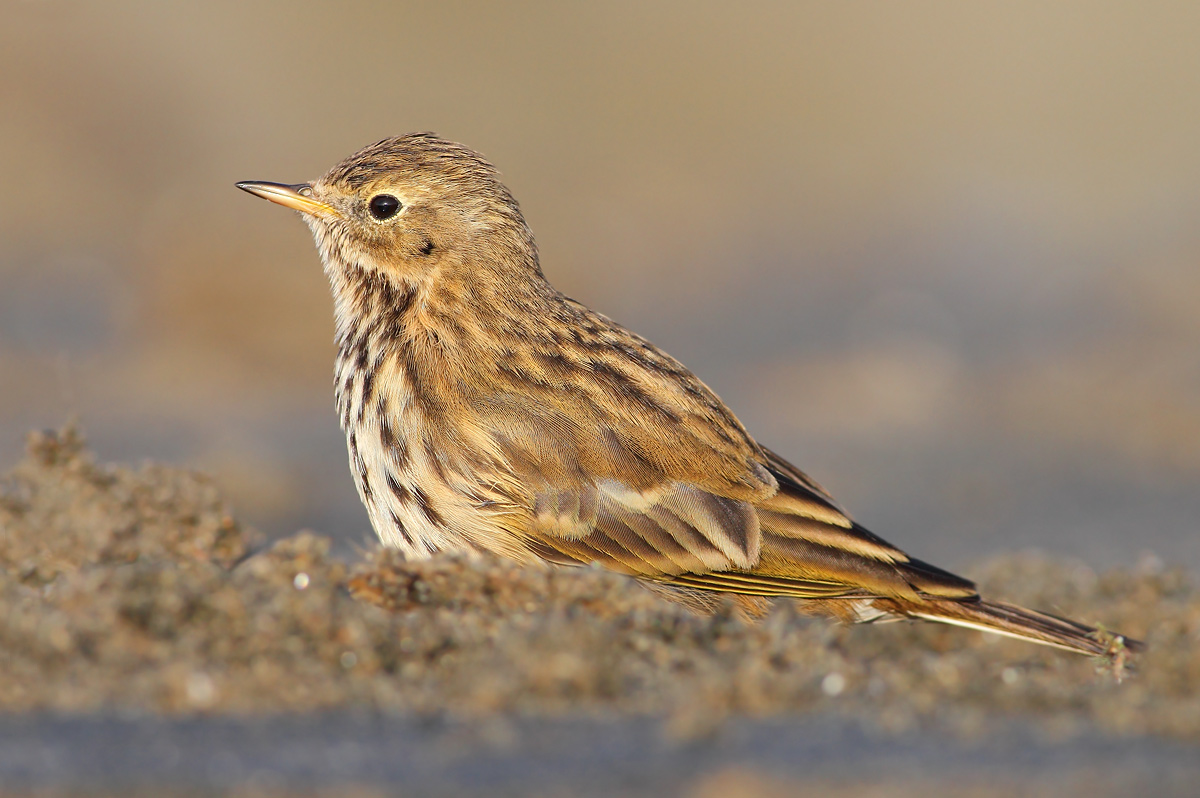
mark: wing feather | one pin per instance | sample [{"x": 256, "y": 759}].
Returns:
[{"x": 654, "y": 533}]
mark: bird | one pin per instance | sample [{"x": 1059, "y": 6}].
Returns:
[{"x": 485, "y": 412}]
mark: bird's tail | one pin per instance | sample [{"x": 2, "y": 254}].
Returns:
[{"x": 1013, "y": 621}]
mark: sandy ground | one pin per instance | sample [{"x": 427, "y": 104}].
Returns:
[{"x": 133, "y": 593}]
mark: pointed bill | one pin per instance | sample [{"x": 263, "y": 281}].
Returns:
[{"x": 298, "y": 196}]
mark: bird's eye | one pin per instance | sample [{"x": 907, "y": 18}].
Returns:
[{"x": 384, "y": 206}]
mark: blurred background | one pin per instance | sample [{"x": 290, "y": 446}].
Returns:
[{"x": 944, "y": 256}]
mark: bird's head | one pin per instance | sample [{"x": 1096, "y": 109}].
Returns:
[{"x": 411, "y": 210}]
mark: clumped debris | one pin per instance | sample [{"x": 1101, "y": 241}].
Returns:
[
  {"x": 136, "y": 590},
  {"x": 60, "y": 512}
]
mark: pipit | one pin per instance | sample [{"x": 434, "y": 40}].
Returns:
[{"x": 484, "y": 411}]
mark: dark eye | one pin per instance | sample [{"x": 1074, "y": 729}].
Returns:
[{"x": 384, "y": 206}]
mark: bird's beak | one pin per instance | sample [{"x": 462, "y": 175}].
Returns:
[{"x": 297, "y": 197}]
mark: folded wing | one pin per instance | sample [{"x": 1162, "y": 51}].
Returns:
[{"x": 795, "y": 543}]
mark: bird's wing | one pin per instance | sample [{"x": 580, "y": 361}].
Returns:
[
  {"x": 795, "y": 543},
  {"x": 584, "y": 498},
  {"x": 616, "y": 453}
]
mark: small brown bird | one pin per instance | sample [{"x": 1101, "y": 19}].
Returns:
[{"x": 486, "y": 412}]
